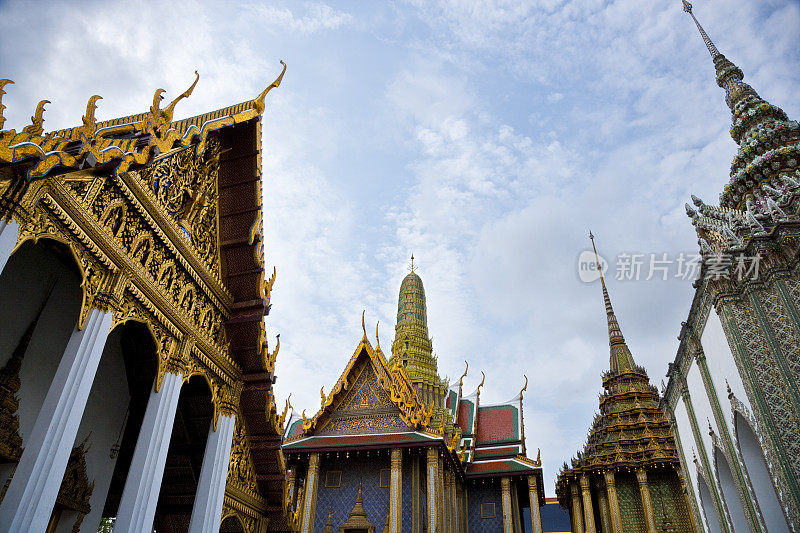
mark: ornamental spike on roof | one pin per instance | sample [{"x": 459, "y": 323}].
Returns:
[{"x": 620, "y": 357}]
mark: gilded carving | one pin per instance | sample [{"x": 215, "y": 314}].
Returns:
[{"x": 241, "y": 473}]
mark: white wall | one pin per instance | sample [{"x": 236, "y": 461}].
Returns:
[
  {"x": 722, "y": 366},
  {"x": 687, "y": 444},
  {"x": 702, "y": 407}
]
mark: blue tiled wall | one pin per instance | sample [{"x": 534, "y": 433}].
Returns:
[
  {"x": 340, "y": 501},
  {"x": 484, "y": 493}
]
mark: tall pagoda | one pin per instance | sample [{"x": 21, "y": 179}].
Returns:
[{"x": 628, "y": 477}]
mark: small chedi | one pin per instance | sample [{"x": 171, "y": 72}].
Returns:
[
  {"x": 628, "y": 476},
  {"x": 393, "y": 447}
]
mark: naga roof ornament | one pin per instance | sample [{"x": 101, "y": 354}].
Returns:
[{"x": 120, "y": 143}]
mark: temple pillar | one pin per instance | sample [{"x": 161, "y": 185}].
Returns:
[
  {"x": 742, "y": 485},
  {"x": 416, "y": 527},
  {"x": 9, "y": 232},
  {"x": 722, "y": 515},
  {"x": 213, "y": 477},
  {"x": 533, "y": 498},
  {"x": 602, "y": 501},
  {"x": 433, "y": 479},
  {"x": 137, "y": 508},
  {"x": 613, "y": 502},
  {"x": 29, "y": 500},
  {"x": 588, "y": 509},
  {"x": 396, "y": 492},
  {"x": 310, "y": 498},
  {"x": 505, "y": 493},
  {"x": 291, "y": 483},
  {"x": 577, "y": 508},
  {"x": 440, "y": 494},
  {"x": 647, "y": 504}
]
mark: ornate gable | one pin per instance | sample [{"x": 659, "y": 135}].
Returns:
[{"x": 368, "y": 397}]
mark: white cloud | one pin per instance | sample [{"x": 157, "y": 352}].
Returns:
[{"x": 486, "y": 138}]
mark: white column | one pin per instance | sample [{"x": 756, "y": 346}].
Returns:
[
  {"x": 33, "y": 490},
  {"x": 9, "y": 231},
  {"x": 137, "y": 509},
  {"x": 207, "y": 510}
]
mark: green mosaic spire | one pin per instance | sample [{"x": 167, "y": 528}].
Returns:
[{"x": 412, "y": 348}]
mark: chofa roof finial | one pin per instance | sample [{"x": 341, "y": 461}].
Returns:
[
  {"x": 3, "y": 83},
  {"x": 37, "y": 120},
  {"x": 259, "y": 101}
]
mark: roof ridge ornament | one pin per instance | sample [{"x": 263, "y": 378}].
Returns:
[
  {"x": 170, "y": 109},
  {"x": 3, "y": 83},
  {"x": 259, "y": 100},
  {"x": 363, "y": 325},
  {"x": 37, "y": 120},
  {"x": 461, "y": 379}
]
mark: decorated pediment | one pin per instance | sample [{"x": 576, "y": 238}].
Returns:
[
  {"x": 184, "y": 184},
  {"x": 368, "y": 397}
]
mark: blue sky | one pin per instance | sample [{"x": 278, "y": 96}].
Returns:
[{"x": 484, "y": 137}]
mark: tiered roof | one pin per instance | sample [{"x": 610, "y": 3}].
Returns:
[
  {"x": 764, "y": 187},
  {"x": 630, "y": 431}
]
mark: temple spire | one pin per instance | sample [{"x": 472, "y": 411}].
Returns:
[
  {"x": 709, "y": 44},
  {"x": 621, "y": 357}
]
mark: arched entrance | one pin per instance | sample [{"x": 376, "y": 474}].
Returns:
[
  {"x": 760, "y": 479},
  {"x": 231, "y": 524},
  {"x": 729, "y": 492},
  {"x": 706, "y": 501},
  {"x": 40, "y": 300}
]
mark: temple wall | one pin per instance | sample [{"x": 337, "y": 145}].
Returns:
[
  {"x": 701, "y": 406},
  {"x": 339, "y": 501},
  {"x": 484, "y": 492},
  {"x": 722, "y": 365},
  {"x": 686, "y": 438},
  {"x": 630, "y": 503},
  {"x": 407, "y": 492}
]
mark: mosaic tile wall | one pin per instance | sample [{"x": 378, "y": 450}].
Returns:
[
  {"x": 340, "y": 501},
  {"x": 484, "y": 493},
  {"x": 630, "y": 503},
  {"x": 407, "y": 492},
  {"x": 669, "y": 505}
]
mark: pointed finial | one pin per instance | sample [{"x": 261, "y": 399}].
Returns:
[
  {"x": 170, "y": 109},
  {"x": 259, "y": 101},
  {"x": 3, "y": 83},
  {"x": 89, "y": 122},
  {"x": 710, "y": 45},
  {"x": 413, "y": 268},
  {"x": 37, "y": 120},
  {"x": 363, "y": 326},
  {"x": 461, "y": 379},
  {"x": 377, "y": 337}
]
